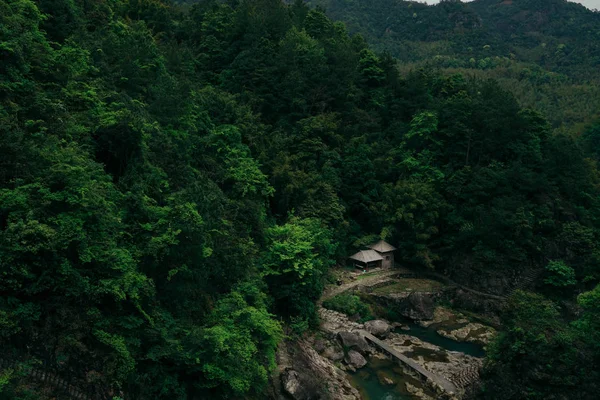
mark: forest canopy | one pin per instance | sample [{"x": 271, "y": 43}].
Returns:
[
  {"x": 546, "y": 52},
  {"x": 177, "y": 181}
]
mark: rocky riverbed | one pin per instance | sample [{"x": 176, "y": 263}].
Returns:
[
  {"x": 338, "y": 363},
  {"x": 448, "y": 364},
  {"x": 342, "y": 345},
  {"x": 455, "y": 326}
]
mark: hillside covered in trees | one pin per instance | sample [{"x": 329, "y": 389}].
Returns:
[
  {"x": 547, "y": 52},
  {"x": 177, "y": 181}
]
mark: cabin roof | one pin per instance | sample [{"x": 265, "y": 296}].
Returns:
[
  {"x": 382, "y": 247},
  {"x": 366, "y": 256}
]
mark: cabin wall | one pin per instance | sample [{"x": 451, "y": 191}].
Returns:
[
  {"x": 388, "y": 260},
  {"x": 368, "y": 266}
]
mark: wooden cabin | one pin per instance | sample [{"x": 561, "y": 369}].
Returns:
[
  {"x": 366, "y": 259},
  {"x": 386, "y": 251},
  {"x": 379, "y": 255}
]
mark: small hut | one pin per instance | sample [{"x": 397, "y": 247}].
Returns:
[
  {"x": 386, "y": 251},
  {"x": 366, "y": 259}
]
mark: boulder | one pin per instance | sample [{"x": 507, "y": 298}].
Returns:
[
  {"x": 354, "y": 341},
  {"x": 333, "y": 353},
  {"x": 378, "y": 328},
  {"x": 385, "y": 378},
  {"x": 418, "y": 306},
  {"x": 319, "y": 345},
  {"x": 355, "y": 359},
  {"x": 292, "y": 385},
  {"x": 417, "y": 392}
]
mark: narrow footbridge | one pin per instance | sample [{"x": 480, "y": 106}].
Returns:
[{"x": 445, "y": 384}]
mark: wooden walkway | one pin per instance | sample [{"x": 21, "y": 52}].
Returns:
[{"x": 442, "y": 382}]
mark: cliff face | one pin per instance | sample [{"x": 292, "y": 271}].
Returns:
[{"x": 303, "y": 374}]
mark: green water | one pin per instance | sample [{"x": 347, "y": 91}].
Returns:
[
  {"x": 431, "y": 336},
  {"x": 370, "y": 381}
]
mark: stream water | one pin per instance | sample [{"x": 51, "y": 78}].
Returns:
[
  {"x": 430, "y": 335},
  {"x": 371, "y": 380}
]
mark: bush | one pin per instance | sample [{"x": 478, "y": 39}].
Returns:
[
  {"x": 350, "y": 305},
  {"x": 560, "y": 274}
]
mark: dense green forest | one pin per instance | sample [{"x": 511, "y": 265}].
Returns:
[
  {"x": 176, "y": 182},
  {"x": 546, "y": 52}
]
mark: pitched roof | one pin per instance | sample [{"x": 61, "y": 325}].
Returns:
[
  {"x": 367, "y": 256},
  {"x": 382, "y": 247}
]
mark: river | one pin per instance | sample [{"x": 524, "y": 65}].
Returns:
[{"x": 374, "y": 381}]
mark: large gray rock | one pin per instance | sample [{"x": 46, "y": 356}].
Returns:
[
  {"x": 294, "y": 385},
  {"x": 319, "y": 345},
  {"x": 291, "y": 383},
  {"x": 378, "y": 328},
  {"x": 355, "y": 360},
  {"x": 333, "y": 353},
  {"x": 418, "y": 306},
  {"x": 351, "y": 340}
]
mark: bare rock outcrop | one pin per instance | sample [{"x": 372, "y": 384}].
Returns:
[
  {"x": 378, "y": 327},
  {"x": 333, "y": 353},
  {"x": 354, "y": 341},
  {"x": 305, "y": 375},
  {"x": 418, "y": 306},
  {"x": 455, "y": 326},
  {"x": 294, "y": 386},
  {"x": 355, "y": 360}
]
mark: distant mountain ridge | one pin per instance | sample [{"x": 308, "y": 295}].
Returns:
[
  {"x": 531, "y": 30},
  {"x": 526, "y": 43}
]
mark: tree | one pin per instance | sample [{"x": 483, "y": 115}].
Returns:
[
  {"x": 294, "y": 264},
  {"x": 236, "y": 351},
  {"x": 560, "y": 274}
]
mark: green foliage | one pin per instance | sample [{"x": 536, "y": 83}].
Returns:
[
  {"x": 5, "y": 377},
  {"x": 589, "y": 323},
  {"x": 293, "y": 248},
  {"x": 176, "y": 179},
  {"x": 545, "y": 52},
  {"x": 413, "y": 210},
  {"x": 369, "y": 67},
  {"x": 237, "y": 350},
  {"x": 299, "y": 325},
  {"x": 240, "y": 168},
  {"x": 560, "y": 274},
  {"x": 295, "y": 263},
  {"x": 350, "y": 305},
  {"x": 539, "y": 356}
]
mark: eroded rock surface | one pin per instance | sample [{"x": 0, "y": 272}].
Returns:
[
  {"x": 417, "y": 392},
  {"x": 293, "y": 386},
  {"x": 355, "y": 360},
  {"x": 448, "y": 364},
  {"x": 334, "y": 322},
  {"x": 303, "y": 374},
  {"x": 351, "y": 340},
  {"x": 418, "y": 306},
  {"x": 454, "y": 326},
  {"x": 378, "y": 327},
  {"x": 334, "y": 353}
]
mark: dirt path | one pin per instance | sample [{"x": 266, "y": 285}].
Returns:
[
  {"x": 449, "y": 281},
  {"x": 373, "y": 278}
]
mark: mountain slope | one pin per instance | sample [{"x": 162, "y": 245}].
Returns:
[{"x": 546, "y": 52}]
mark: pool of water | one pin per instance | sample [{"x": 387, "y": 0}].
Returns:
[
  {"x": 431, "y": 336},
  {"x": 382, "y": 379}
]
